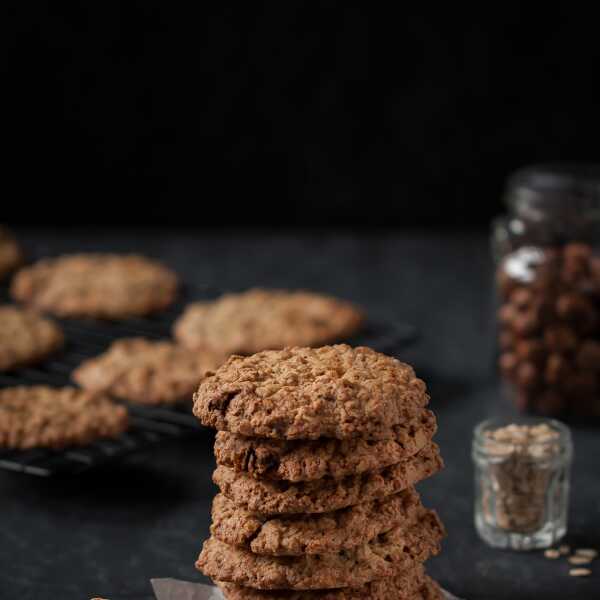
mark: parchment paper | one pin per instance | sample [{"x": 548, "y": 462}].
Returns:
[{"x": 173, "y": 589}]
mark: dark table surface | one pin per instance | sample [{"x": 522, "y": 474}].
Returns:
[{"x": 109, "y": 531}]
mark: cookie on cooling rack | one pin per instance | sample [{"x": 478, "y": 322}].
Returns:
[
  {"x": 26, "y": 338},
  {"x": 10, "y": 252},
  {"x": 47, "y": 417},
  {"x": 261, "y": 319},
  {"x": 107, "y": 286},
  {"x": 146, "y": 371}
]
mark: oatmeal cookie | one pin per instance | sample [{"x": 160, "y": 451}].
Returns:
[
  {"x": 295, "y": 535},
  {"x": 41, "y": 416},
  {"x": 271, "y": 497},
  {"x": 107, "y": 286},
  {"x": 260, "y": 319},
  {"x": 10, "y": 253},
  {"x": 26, "y": 337},
  {"x": 305, "y": 393},
  {"x": 388, "y": 555},
  {"x": 412, "y": 585},
  {"x": 299, "y": 460},
  {"x": 145, "y": 371}
]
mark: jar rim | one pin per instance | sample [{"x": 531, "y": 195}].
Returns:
[
  {"x": 563, "y": 440},
  {"x": 559, "y": 178}
]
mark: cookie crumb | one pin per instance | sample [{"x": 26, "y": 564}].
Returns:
[
  {"x": 587, "y": 552},
  {"x": 552, "y": 553},
  {"x": 564, "y": 549},
  {"x": 579, "y": 560},
  {"x": 580, "y": 572}
]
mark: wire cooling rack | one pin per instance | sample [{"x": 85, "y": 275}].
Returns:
[{"x": 149, "y": 425}]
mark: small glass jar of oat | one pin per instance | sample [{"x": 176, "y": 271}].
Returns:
[{"x": 521, "y": 482}]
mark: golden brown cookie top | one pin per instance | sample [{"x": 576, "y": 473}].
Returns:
[
  {"x": 42, "y": 416},
  {"x": 305, "y": 393},
  {"x": 109, "y": 286},
  {"x": 10, "y": 252},
  {"x": 260, "y": 319},
  {"x": 146, "y": 371},
  {"x": 26, "y": 337}
]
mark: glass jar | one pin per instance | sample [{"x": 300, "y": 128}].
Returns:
[
  {"x": 548, "y": 281},
  {"x": 521, "y": 482}
]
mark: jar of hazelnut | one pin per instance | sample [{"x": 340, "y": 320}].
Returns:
[{"x": 548, "y": 280}]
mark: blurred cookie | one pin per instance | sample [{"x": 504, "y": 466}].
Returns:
[
  {"x": 295, "y": 535},
  {"x": 26, "y": 337},
  {"x": 10, "y": 253},
  {"x": 387, "y": 555},
  {"x": 271, "y": 497},
  {"x": 306, "y": 393},
  {"x": 42, "y": 416},
  {"x": 300, "y": 460},
  {"x": 145, "y": 371},
  {"x": 412, "y": 585},
  {"x": 108, "y": 286},
  {"x": 259, "y": 319}
]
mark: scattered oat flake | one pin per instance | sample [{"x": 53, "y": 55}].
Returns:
[
  {"x": 580, "y": 572},
  {"x": 551, "y": 553},
  {"x": 564, "y": 549},
  {"x": 580, "y": 560},
  {"x": 587, "y": 552}
]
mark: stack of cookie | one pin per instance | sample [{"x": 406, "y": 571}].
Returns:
[{"x": 318, "y": 452}]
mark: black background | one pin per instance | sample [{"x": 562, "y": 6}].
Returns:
[{"x": 288, "y": 113}]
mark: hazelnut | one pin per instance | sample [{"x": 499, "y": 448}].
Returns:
[
  {"x": 506, "y": 339},
  {"x": 577, "y": 251},
  {"x": 574, "y": 273},
  {"x": 572, "y": 305},
  {"x": 595, "y": 270},
  {"x": 507, "y": 314},
  {"x": 560, "y": 338},
  {"x": 531, "y": 350},
  {"x": 588, "y": 356},
  {"x": 527, "y": 375},
  {"x": 526, "y": 322},
  {"x": 508, "y": 363},
  {"x": 557, "y": 370},
  {"x": 505, "y": 283},
  {"x": 521, "y": 298}
]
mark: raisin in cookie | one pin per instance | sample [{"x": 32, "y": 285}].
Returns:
[
  {"x": 259, "y": 319},
  {"x": 26, "y": 337},
  {"x": 295, "y": 535},
  {"x": 108, "y": 286},
  {"x": 10, "y": 253},
  {"x": 306, "y": 393},
  {"x": 41, "y": 416},
  {"x": 271, "y": 497},
  {"x": 299, "y": 460},
  {"x": 388, "y": 555},
  {"x": 146, "y": 372}
]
